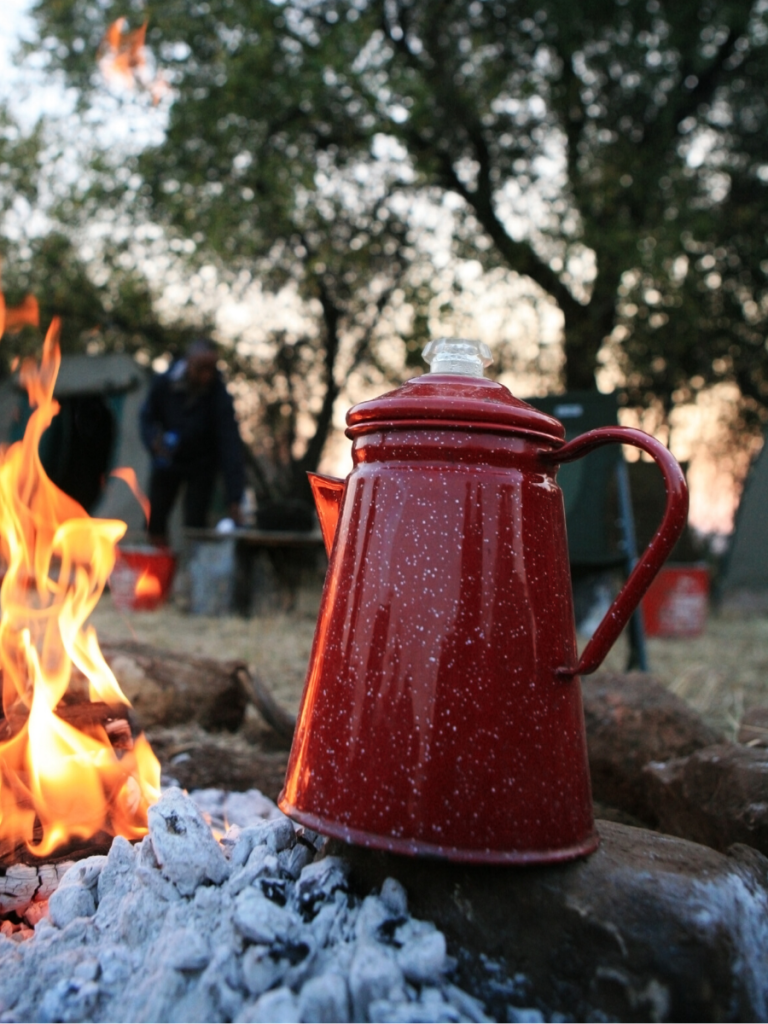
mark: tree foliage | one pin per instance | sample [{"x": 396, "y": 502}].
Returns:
[
  {"x": 248, "y": 171},
  {"x": 612, "y": 152},
  {"x": 641, "y": 125}
]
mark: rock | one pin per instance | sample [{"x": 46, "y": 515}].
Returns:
[
  {"x": 632, "y": 719},
  {"x": 717, "y": 796},
  {"x": 647, "y": 928},
  {"x": 753, "y": 731},
  {"x": 183, "y": 844}
]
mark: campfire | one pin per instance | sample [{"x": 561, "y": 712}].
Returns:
[{"x": 71, "y": 773}]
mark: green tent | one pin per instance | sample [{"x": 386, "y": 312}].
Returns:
[{"x": 95, "y": 431}]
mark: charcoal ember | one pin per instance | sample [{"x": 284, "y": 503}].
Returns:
[
  {"x": 48, "y": 880},
  {"x": 154, "y": 995},
  {"x": 324, "y": 999},
  {"x": 374, "y": 976},
  {"x": 117, "y": 966},
  {"x": 276, "y": 1007},
  {"x": 309, "y": 838},
  {"x": 17, "y": 888},
  {"x": 70, "y": 902},
  {"x": 394, "y": 897},
  {"x": 525, "y": 1015},
  {"x": 318, "y": 882},
  {"x": 293, "y": 862},
  {"x": 189, "y": 952},
  {"x": 69, "y": 1001},
  {"x": 251, "y": 943},
  {"x": 220, "y": 986},
  {"x": 717, "y": 796},
  {"x": 261, "y": 971},
  {"x": 328, "y": 924},
  {"x": 84, "y": 872},
  {"x": 471, "y": 1009},
  {"x": 36, "y": 911},
  {"x": 260, "y": 920},
  {"x": 226, "y": 809},
  {"x": 373, "y": 921},
  {"x": 183, "y": 844},
  {"x": 116, "y": 876},
  {"x": 422, "y": 956},
  {"x": 277, "y": 835},
  {"x": 261, "y": 863},
  {"x": 429, "y": 1007}
]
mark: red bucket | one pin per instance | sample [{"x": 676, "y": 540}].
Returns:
[
  {"x": 676, "y": 602},
  {"x": 142, "y": 577}
]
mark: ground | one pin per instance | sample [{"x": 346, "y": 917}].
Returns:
[{"x": 721, "y": 673}]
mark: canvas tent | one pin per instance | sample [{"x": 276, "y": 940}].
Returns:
[
  {"x": 744, "y": 579},
  {"x": 96, "y": 430}
]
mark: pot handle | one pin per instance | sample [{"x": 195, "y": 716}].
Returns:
[{"x": 652, "y": 559}]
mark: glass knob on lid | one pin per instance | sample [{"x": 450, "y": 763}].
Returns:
[{"x": 457, "y": 355}]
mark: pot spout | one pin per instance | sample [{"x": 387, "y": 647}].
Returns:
[{"x": 328, "y": 492}]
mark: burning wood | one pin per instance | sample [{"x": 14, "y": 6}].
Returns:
[{"x": 62, "y": 779}]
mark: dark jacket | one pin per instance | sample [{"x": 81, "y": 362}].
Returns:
[{"x": 207, "y": 437}]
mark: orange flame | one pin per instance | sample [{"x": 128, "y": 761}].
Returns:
[
  {"x": 148, "y": 585},
  {"x": 70, "y": 782},
  {"x": 123, "y": 60},
  {"x": 13, "y": 318},
  {"x": 128, "y": 476}
]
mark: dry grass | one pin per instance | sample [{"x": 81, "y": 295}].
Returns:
[{"x": 721, "y": 673}]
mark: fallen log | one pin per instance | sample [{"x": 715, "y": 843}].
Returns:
[
  {"x": 274, "y": 714},
  {"x": 168, "y": 688}
]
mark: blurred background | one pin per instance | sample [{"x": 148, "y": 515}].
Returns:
[{"x": 323, "y": 186}]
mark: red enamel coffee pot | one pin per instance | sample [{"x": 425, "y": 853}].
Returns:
[{"x": 442, "y": 709}]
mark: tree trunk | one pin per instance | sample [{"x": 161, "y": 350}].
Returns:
[{"x": 586, "y": 328}]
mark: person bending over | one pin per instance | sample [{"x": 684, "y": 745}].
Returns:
[{"x": 188, "y": 424}]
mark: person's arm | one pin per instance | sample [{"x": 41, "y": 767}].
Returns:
[
  {"x": 150, "y": 416},
  {"x": 230, "y": 446}
]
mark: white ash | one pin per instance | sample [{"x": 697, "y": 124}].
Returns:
[{"x": 255, "y": 928}]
